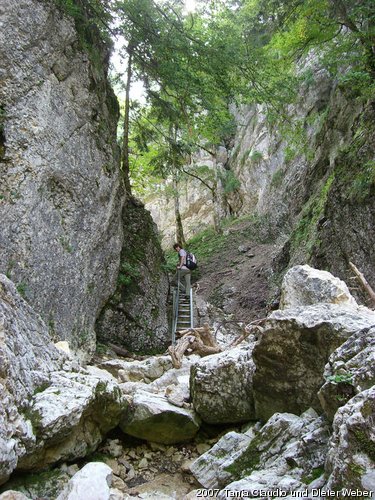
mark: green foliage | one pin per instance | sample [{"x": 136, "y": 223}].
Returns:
[
  {"x": 65, "y": 243},
  {"x": 314, "y": 474},
  {"x": 22, "y": 289},
  {"x": 92, "y": 19},
  {"x": 41, "y": 388},
  {"x": 304, "y": 235},
  {"x": 345, "y": 377},
  {"x": 364, "y": 182},
  {"x": 229, "y": 181},
  {"x": 101, "y": 349},
  {"x": 255, "y": 156},
  {"x": 246, "y": 462},
  {"x": 128, "y": 273},
  {"x": 277, "y": 178},
  {"x": 34, "y": 417},
  {"x": 366, "y": 443},
  {"x": 47, "y": 484},
  {"x": 355, "y": 166}
]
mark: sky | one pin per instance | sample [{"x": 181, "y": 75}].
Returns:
[{"x": 137, "y": 91}]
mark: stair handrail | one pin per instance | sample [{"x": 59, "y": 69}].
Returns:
[
  {"x": 191, "y": 309},
  {"x": 176, "y": 300}
]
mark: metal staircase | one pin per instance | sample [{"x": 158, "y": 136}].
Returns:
[{"x": 183, "y": 312}]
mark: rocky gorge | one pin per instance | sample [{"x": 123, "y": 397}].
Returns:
[
  {"x": 302, "y": 411},
  {"x": 286, "y": 410}
]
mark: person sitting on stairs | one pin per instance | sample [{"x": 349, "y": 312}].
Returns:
[{"x": 182, "y": 270}]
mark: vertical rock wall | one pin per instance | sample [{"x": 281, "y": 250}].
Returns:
[
  {"x": 60, "y": 190},
  {"x": 136, "y": 315},
  {"x": 308, "y": 179}
]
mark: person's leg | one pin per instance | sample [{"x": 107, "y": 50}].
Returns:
[
  {"x": 178, "y": 277},
  {"x": 186, "y": 273}
]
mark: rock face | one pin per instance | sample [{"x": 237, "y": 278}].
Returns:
[
  {"x": 221, "y": 386},
  {"x": 50, "y": 409},
  {"x": 293, "y": 351},
  {"x": 350, "y": 370},
  {"x": 61, "y": 196},
  {"x": 136, "y": 315},
  {"x": 351, "y": 454},
  {"x": 282, "y": 454},
  {"x": 210, "y": 468},
  {"x": 27, "y": 359},
  {"x": 70, "y": 418},
  {"x": 138, "y": 371}
]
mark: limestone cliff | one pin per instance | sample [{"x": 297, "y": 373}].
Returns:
[
  {"x": 308, "y": 178},
  {"x": 61, "y": 195}
]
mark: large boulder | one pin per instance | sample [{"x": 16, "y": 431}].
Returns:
[
  {"x": 349, "y": 371},
  {"x": 153, "y": 418},
  {"x": 27, "y": 359},
  {"x": 50, "y": 409},
  {"x": 351, "y": 454},
  {"x": 293, "y": 350},
  {"x": 305, "y": 286},
  {"x": 287, "y": 450},
  {"x": 210, "y": 468},
  {"x": 92, "y": 482},
  {"x": 61, "y": 189},
  {"x": 221, "y": 386},
  {"x": 70, "y": 418}
]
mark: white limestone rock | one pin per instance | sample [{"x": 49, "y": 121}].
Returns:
[
  {"x": 305, "y": 286},
  {"x": 178, "y": 394},
  {"x": 27, "y": 359},
  {"x": 351, "y": 452},
  {"x": 209, "y": 468},
  {"x": 71, "y": 417},
  {"x": 138, "y": 371},
  {"x": 153, "y": 418},
  {"x": 50, "y": 409},
  {"x": 285, "y": 450},
  {"x": 92, "y": 482},
  {"x": 293, "y": 350},
  {"x": 13, "y": 495},
  {"x": 61, "y": 232},
  {"x": 221, "y": 386},
  {"x": 350, "y": 370}
]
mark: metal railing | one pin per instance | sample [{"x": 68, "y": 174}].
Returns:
[
  {"x": 176, "y": 307},
  {"x": 191, "y": 308}
]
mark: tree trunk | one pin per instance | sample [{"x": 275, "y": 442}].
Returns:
[
  {"x": 180, "y": 237},
  {"x": 125, "y": 138},
  {"x": 216, "y": 214}
]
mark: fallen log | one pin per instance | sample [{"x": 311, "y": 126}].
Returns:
[
  {"x": 198, "y": 340},
  {"x": 363, "y": 282},
  {"x": 121, "y": 351},
  {"x": 252, "y": 328}
]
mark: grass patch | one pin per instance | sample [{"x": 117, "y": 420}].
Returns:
[
  {"x": 277, "y": 178},
  {"x": 21, "y": 289}
]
